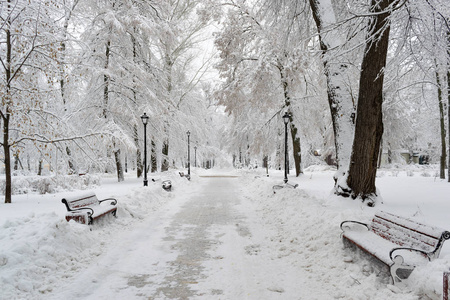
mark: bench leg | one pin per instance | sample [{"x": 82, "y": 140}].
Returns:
[{"x": 400, "y": 271}]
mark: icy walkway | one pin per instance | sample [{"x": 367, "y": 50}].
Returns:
[{"x": 208, "y": 246}]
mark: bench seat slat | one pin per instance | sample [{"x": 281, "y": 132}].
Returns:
[{"x": 377, "y": 245}]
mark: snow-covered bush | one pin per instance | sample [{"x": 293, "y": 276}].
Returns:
[{"x": 50, "y": 184}]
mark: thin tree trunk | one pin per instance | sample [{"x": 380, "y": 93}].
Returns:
[
  {"x": 448, "y": 105},
  {"x": 39, "y": 172},
  {"x": 153, "y": 158},
  {"x": 139, "y": 167},
  {"x": 369, "y": 121},
  {"x": 165, "y": 156},
  {"x": 16, "y": 161},
  {"x": 443, "y": 159},
  {"x": 296, "y": 149},
  {"x": 7, "y": 115},
  {"x": 7, "y": 153},
  {"x": 120, "y": 176},
  {"x": 106, "y": 81},
  {"x": 296, "y": 146}
]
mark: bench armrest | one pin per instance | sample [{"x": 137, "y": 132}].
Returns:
[
  {"x": 114, "y": 201},
  {"x": 90, "y": 210},
  {"x": 391, "y": 256},
  {"x": 355, "y": 222}
]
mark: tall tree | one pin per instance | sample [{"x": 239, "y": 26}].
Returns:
[
  {"x": 28, "y": 38},
  {"x": 265, "y": 70},
  {"x": 369, "y": 121},
  {"x": 340, "y": 99}
]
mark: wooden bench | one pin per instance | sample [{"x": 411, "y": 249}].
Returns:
[
  {"x": 188, "y": 177},
  {"x": 395, "y": 243},
  {"x": 167, "y": 185},
  {"x": 85, "y": 208}
]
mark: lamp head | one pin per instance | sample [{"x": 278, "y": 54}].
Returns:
[
  {"x": 144, "y": 119},
  {"x": 286, "y": 118}
]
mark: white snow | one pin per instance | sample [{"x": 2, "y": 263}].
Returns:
[{"x": 291, "y": 239}]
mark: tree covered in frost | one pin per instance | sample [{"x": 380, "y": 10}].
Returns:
[
  {"x": 356, "y": 51},
  {"x": 267, "y": 72},
  {"x": 77, "y": 76},
  {"x": 28, "y": 49}
]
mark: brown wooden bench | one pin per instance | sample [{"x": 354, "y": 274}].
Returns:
[
  {"x": 395, "y": 243},
  {"x": 85, "y": 208}
]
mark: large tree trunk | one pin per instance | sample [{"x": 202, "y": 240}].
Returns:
[
  {"x": 340, "y": 100},
  {"x": 369, "y": 122}
]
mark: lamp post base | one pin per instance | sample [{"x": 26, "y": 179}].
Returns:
[{"x": 145, "y": 182}]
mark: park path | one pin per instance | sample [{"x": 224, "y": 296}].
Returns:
[{"x": 197, "y": 247}]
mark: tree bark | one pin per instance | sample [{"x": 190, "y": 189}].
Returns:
[
  {"x": 165, "y": 156},
  {"x": 139, "y": 167},
  {"x": 72, "y": 166},
  {"x": 296, "y": 146},
  {"x": 153, "y": 158},
  {"x": 296, "y": 149},
  {"x": 443, "y": 159},
  {"x": 106, "y": 81},
  {"x": 120, "y": 176},
  {"x": 448, "y": 96},
  {"x": 369, "y": 122},
  {"x": 340, "y": 100},
  {"x": 7, "y": 115}
]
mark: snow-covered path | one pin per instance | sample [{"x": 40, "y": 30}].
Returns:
[
  {"x": 200, "y": 246},
  {"x": 210, "y": 245}
]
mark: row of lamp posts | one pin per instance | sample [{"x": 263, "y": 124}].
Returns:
[{"x": 144, "y": 118}]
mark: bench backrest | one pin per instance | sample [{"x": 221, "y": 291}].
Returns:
[
  {"x": 407, "y": 233},
  {"x": 82, "y": 200}
]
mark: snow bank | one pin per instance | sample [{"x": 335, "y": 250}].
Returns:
[
  {"x": 306, "y": 223},
  {"x": 41, "y": 251}
]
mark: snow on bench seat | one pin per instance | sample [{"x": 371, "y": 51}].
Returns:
[
  {"x": 388, "y": 236},
  {"x": 85, "y": 208}
]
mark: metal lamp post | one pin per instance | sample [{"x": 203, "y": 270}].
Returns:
[
  {"x": 195, "y": 156},
  {"x": 286, "y": 118},
  {"x": 144, "y": 119},
  {"x": 189, "y": 154}
]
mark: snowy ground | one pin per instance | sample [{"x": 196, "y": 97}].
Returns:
[{"x": 214, "y": 238}]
